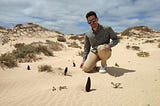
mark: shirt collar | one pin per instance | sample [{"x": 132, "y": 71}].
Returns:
[{"x": 99, "y": 27}]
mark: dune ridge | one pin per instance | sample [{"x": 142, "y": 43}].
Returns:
[{"x": 131, "y": 80}]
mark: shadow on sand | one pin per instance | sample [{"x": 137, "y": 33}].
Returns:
[
  {"x": 114, "y": 71},
  {"x": 117, "y": 72}
]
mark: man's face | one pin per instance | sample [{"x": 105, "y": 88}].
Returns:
[{"x": 92, "y": 21}]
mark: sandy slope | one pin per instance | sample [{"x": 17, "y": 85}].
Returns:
[{"x": 139, "y": 78}]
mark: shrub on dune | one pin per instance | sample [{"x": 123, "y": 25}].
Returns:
[
  {"x": 8, "y": 60},
  {"x": 44, "y": 68}
]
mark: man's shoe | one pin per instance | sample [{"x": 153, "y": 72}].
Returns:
[{"x": 103, "y": 70}]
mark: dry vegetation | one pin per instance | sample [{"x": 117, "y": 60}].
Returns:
[
  {"x": 27, "y": 53},
  {"x": 8, "y": 60},
  {"x": 149, "y": 41},
  {"x": 142, "y": 29},
  {"x": 159, "y": 45},
  {"x": 55, "y": 46},
  {"x": 45, "y": 68},
  {"x": 74, "y": 45},
  {"x": 136, "y": 48},
  {"x": 77, "y": 37},
  {"x": 143, "y": 54},
  {"x": 80, "y": 53},
  {"x": 133, "y": 47},
  {"x": 61, "y": 39}
]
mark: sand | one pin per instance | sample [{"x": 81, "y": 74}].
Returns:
[{"x": 139, "y": 79}]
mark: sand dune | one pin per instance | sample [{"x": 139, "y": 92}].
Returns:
[{"x": 139, "y": 78}]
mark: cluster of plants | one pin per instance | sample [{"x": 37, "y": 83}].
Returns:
[
  {"x": 80, "y": 53},
  {"x": 45, "y": 68},
  {"x": 61, "y": 39},
  {"x": 133, "y": 47},
  {"x": 74, "y": 45},
  {"x": 140, "y": 53},
  {"x": 143, "y": 54},
  {"x": 23, "y": 53},
  {"x": 159, "y": 45},
  {"x": 55, "y": 46},
  {"x": 77, "y": 37}
]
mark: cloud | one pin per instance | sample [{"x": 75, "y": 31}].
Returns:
[{"x": 68, "y": 16}]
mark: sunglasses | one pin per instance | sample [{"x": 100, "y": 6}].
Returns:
[{"x": 90, "y": 21}]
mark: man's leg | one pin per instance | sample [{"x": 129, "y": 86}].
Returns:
[
  {"x": 90, "y": 62},
  {"x": 104, "y": 54}
]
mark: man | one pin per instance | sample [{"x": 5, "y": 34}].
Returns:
[{"x": 98, "y": 37}]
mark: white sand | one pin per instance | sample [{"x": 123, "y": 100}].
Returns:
[{"x": 139, "y": 78}]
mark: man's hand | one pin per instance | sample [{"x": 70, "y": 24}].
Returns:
[
  {"x": 107, "y": 46},
  {"x": 81, "y": 64}
]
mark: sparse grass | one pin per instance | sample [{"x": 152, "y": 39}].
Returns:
[
  {"x": 5, "y": 39},
  {"x": 80, "y": 53},
  {"x": 74, "y": 45},
  {"x": 18, "y": 45},
  {"x": 77, "y": 37},
  {"x": 142, "y": 54},
  {"x": 23, "y": 53},
  {"x": 149, "y": 41},
  {"x": 136, "y": 48},
  {"x": 45, "y": 68},
  {"x": 28, "y": 50},
  {"x": 120, "y": 37},
  {"x": 59, "y": 32},
  {"x": 8, "y": 60},
  {"x": 133, "y": 47},
  {"x": 143, "y": 29},
  {"x": 54, "y": 45},
  {"x": 74, "y": 37},
  {"x": 61, "y": 39},
  {"x": 159, "y": 45},
  {"x": 128, "y": 46},
  {"x": 44, "y": 50}
]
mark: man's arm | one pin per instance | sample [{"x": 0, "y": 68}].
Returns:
[
  {"x": 87, "y": 46},
  {"x": 113, "y": 37}
]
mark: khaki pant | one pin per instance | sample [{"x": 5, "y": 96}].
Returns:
[{"x": 102, "y": 54}]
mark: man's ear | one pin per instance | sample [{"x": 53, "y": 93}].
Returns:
[{"x": 97, "y": 19}]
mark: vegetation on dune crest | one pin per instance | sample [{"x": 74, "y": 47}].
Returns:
[
  {"x": 61, "y": 39},
  {"x": 74, "y": 45},
  {"x": 143, "y": 29},
  {"x": 23, "y": 53}
]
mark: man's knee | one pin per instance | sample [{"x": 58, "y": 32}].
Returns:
[
  {"x": 101, "y": 47},
  {"x": 103, "y": 52}
]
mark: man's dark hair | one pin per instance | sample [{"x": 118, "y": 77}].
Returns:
[{"x": 90, "y": 14}]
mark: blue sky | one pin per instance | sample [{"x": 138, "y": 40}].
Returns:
[{"x": 68, "y": 16}]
